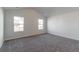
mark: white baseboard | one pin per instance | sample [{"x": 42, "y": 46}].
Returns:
[
  {"x": 23, "y": 36},
  {"x": 64, "y": 36}
]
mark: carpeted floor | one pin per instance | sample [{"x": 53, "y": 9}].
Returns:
[{"x": 41, "y": 43}]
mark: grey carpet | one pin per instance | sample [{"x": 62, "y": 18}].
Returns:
[{"x": 41, "y": 43}]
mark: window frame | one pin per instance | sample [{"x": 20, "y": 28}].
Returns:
[
  {"x": 40, "y": 24},
  {"x": 18, "y": 24}
]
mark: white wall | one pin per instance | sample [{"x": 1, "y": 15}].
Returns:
[
  {"x": 1, "y": 27},
  {"x": 30, "y": 23},
  {"x": 64, "y": 23}
]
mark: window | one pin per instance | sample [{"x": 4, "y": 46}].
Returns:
[
  {"x": 40, "y": 24},
  {"x": 18, "y": 24}
]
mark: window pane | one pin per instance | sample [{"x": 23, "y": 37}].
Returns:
[
  {"x": 40, "y": 24},
  {"x": 18, "y": 24},
  {"x": 40, "y": 21},
  {"x": 21, "y": 29}
]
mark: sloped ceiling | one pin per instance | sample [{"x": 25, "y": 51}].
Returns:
[
  {"x": 47, "y": 11},
  {"x": 44, "y": 10}
]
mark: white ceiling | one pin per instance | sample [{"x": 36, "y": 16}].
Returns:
[
  {"x": 47, "y": 11},
  {"x": 7, "y": 8},
  {"x": 43, "y": 10}
]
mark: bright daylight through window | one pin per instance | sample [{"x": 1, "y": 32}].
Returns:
[
  {"x": 40, "y": 24},
  {"x": 18, "y": 24}
]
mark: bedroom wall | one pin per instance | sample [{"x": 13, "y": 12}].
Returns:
[
  {"x": 64, "y": 22},
  {"x": 1, "y": 27},
  {"x": 30, "y": 23}
]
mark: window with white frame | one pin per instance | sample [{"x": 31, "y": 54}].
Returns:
[
  {"x": 18, "y": 23},
  {"x": 40, "y": 24}
]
